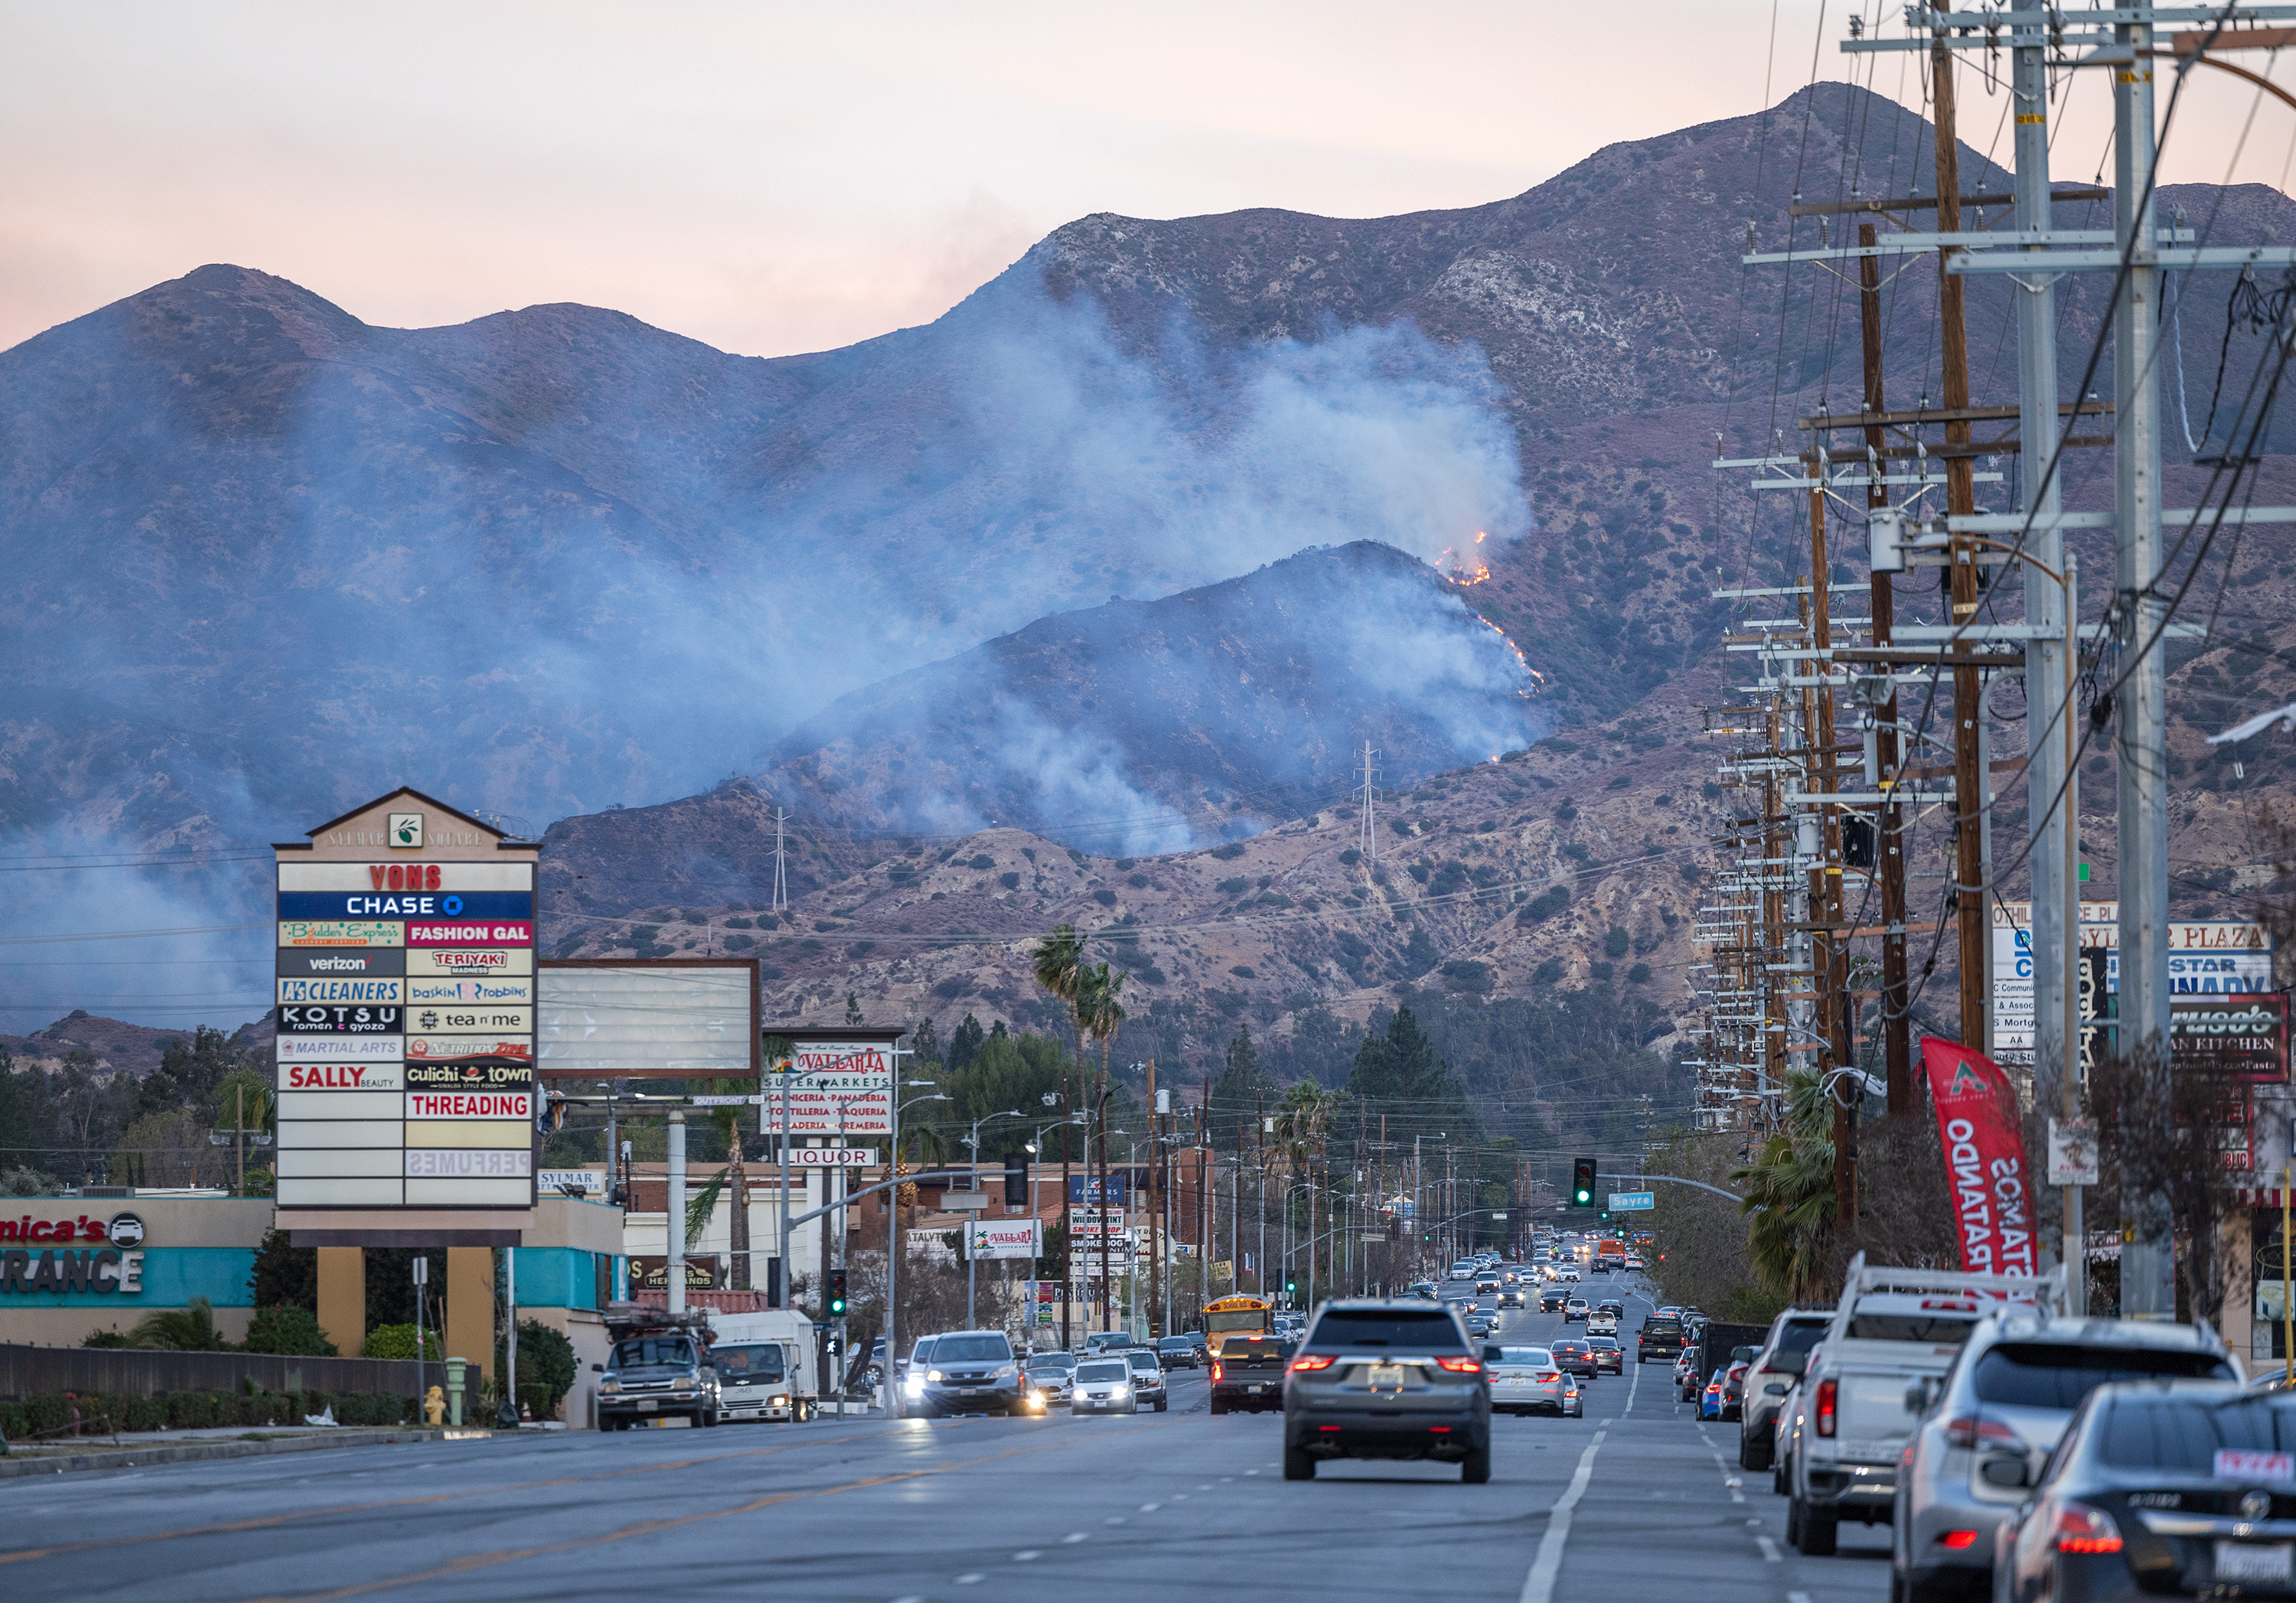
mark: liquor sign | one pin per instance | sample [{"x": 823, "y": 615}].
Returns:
[
  {"x": 830, "y": 1088},
  {"x": 2207, "y": 957},
  {"x": 406, "y": 1012}
]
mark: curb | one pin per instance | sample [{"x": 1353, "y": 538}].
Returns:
[{"x": 13, "y": 1467}]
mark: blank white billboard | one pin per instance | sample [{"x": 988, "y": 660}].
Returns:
[{"x": 680, "y": 1017}]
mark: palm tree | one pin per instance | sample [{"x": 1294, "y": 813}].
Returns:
[
  {"x": 1099, "y": 1013},
  {"x": 1058, "y": 966},
  {"x": 1789, "y": 1197},
  {"x": 1303, "y": 1123},
  {"x": 191, "y": 1328}
]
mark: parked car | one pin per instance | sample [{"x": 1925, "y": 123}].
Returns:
[
  {"x": 1990, "y": 1426},
  {"x": 1771, "y": 1376},
  {"x": 1892, "y": 1329},
  {"x": 1686, "y": 1384},
  {"x": 1377, "y": 1378},
  {"x": 970, "y": 1372},
  {"x": 2156, "y": 1486}
]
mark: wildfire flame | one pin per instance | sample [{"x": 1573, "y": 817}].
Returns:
[{"x": 1467, "y": 570}]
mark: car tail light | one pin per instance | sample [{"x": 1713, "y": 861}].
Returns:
[
  {"x": 1308, "y": 1362},
  {"x": 1970, "y": 1429},
  {"x": 1550, "y": 1375},
  {"x": 1955, "y": 1541},
  {"x": 2079, "y": 1528},
  {"x": 1461, "y": 1366},
  {"x": 1828, "y": 1394},
  {"x": 1216, "y": 1371}
]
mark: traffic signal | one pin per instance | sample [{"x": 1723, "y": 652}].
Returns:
[
  {"x": 1016, "y": 1180},
  {"x": 1582, "y": 1181},
  {"x": 836, "y": 1294}
]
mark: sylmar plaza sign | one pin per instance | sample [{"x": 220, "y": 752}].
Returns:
[{"x": 36, "y": 1253}]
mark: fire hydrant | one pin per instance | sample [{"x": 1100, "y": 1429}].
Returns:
[{"x": 434, "y": 1406}]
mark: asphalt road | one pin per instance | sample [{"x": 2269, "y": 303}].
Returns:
[{"x": 1638, "y": 1501}]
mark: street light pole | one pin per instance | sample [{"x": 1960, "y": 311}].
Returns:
[
  {"x": 893, "y": 1248},
  {"x": 972, "y": 1143}
]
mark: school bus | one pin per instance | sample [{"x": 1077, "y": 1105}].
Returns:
[{"x": 1234, "y": 1316}]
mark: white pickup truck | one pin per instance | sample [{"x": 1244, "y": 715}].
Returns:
[{"x": 1862, "y": 1390}]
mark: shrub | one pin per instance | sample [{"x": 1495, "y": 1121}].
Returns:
[
  {"x": 1137, "y": 881},
  {"x": 1232, "y": 888},
  {"x": 1615, "y": 944},
  {"x": 1009, "y": 880},
  {"x": 1639, "y": 975},
  {"x": 1466, "y": 974},
  {"x": 1244, "y": 971},
  {"x": 1351, "y": 856},
  {"x": 1230, "y": 852},
  {"x": 983, "y": 861},
  {"x": 397, "y": 1341},
  {"x": 1104, "y": 896},
  {"x": 546, "y": 1360},
  {"x": 290, "y": 1331}
]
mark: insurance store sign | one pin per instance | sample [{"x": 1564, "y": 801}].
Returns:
[{"x": 405, "y": 1016}]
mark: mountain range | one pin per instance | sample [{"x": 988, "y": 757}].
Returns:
[{"x": 1120, "y": 563}]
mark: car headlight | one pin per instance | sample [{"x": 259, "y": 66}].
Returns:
[
  {"x": 913, "y": 1386},
  {"x": 777, "y": 1402},
  {"x": 609, "y": 1385},
  {"x": 932, "y": 1374},
  {"x": 1121, "y": 1391}
]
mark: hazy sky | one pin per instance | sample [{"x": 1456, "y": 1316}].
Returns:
[{"x": 775, "y": 178}]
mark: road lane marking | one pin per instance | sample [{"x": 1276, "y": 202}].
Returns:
[
  {"x": 1077, "y": 1536},
  {"x": 1149, "y": 1508},
  {"x": 1025, "y": 1557},
  {"x": 1770, "y": 1554},
  {"x": 1538, "y": 1586},
  {"x": 970, "y": 1578},
  {"x": 470, "y": 1562},
  {"x": 1797, "y": 1597},
  {"x": 269, "y": 1521}
]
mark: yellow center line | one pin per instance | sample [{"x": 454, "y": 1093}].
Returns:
[
  {"x": 272, "y": 1521},
  {"x": 647, "y": 1527}
]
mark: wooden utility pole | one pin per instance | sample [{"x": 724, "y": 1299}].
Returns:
[
  {"x": 1829, "y": 969},
  {"x": 1889, "y": 831},
  {"x": 1156, "y": 1222},
  {"x": 1972, "y": 921}
]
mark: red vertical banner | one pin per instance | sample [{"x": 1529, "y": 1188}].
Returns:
[{"x": 1985, "y": 1165}]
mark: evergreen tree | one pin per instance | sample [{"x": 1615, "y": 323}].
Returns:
[
  {"x": 964, "y": 1043},
  {"x": 1239, "y": 1091},
  {"x": 1398, "y": 1075},
  {"x": 924, "y": 1040},
  {"x": 188, "y": 1076}
]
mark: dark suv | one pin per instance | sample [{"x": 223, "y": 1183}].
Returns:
[
  {"x": 1661, "y": 1337},
  {"x": 970, "y": 1372},
  {"x": 1381, "y": 1378}
]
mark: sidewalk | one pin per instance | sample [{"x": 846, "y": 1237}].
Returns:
[{"x": 144, "y": 1448}]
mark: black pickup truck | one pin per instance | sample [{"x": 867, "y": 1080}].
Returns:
[{"x": 1249, "y": 1374}]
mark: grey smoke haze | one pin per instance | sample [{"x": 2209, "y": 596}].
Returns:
[{"x": 286, "y": 561}]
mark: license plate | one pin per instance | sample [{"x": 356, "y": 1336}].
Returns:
[
  {"x": 1255, "y": 1388},
  {"x": 1516, "y": 1381},
  {"x": 968, "y": 1391},
  {"x": 647, "y": 1402},
  {"x": 1387, "y": 1376},
  {"x": 2255, "y": 1560}
]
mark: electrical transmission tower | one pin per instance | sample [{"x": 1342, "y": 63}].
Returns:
[
  {"x": 781, "y": 868},
  {"x": 1367, "y": 830}
]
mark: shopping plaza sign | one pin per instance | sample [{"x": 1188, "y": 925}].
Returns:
[{"x": 2207, "y": 958}]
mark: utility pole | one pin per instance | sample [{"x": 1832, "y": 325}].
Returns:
[
  {"x": 1973, "y": 918},
  {"x": 2140, "y": 612},
  {"x": 1889, "y": 824},
  {"x": 1829, "y": 964},
  {"x": 2052, "y": 821}
]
